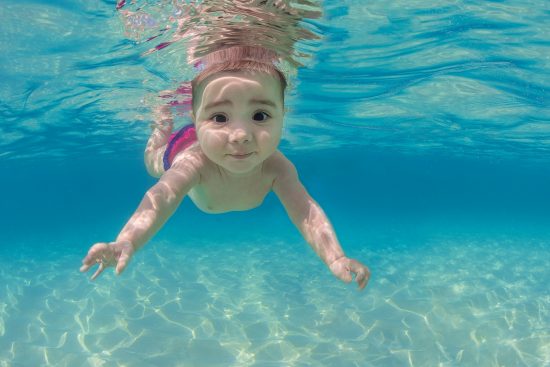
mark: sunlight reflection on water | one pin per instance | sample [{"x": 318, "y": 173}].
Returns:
[{"x": 207, "y": 26}]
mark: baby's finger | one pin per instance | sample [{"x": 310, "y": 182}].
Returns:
[
  {"x": 362, "y": 273},
  {"x": 84, "y": 268},
  {"x": 343, "y": 274},
  {"x": 122, "y": 263},
  {"x": 362, "y": 280},
  {"x": 99, "y": 270},
  {"x": 93, "y": 254}
]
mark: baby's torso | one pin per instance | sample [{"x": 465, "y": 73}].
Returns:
[{"x": 217, "y": 192}]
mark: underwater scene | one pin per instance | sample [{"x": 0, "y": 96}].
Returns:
[{"x": 422, "y": 129}]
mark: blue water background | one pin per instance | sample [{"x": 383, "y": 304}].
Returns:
[
  {"x": 407, "y": 108},
  {"x": 418, "y": 127}
]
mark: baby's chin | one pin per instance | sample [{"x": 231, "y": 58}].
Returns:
[{"x": 240, "y": 168}]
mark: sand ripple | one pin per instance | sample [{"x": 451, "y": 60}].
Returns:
[{"x": 448, "y": 302}]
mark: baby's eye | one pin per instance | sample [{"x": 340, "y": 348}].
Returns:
[
  {"x": 220, "y": 119},
  {"x": 260, "y": 116}
]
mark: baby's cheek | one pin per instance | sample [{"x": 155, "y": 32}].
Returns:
[
  {"x": 269, "y": 138},
  {"x": 213, "y": 139}
]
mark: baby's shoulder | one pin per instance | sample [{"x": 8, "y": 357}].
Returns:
[
  {"x": 192, "y": 158},
  {"x": 278, "y": 165}
]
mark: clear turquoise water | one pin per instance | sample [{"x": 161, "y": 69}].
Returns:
[{"x": 422, "y": 129}]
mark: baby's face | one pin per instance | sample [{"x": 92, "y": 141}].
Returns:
[{"x": 239, "y": 119}]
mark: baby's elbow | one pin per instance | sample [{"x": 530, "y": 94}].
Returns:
[{"x": 164, "y": 196}]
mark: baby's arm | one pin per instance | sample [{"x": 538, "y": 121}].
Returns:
[
  {"x": 158, "y": 204},
  {"x": 314, "y": 225}
]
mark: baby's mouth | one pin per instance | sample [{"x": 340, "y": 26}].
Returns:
[{"x": 240, "y": 155}]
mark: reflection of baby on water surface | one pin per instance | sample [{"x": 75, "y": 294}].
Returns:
[{"x": 227, "y": 160}]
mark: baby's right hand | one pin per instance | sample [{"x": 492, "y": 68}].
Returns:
[{"x": 108, "y": 254}]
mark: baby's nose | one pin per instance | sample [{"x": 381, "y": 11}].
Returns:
[{"x": 240, "y": 135}]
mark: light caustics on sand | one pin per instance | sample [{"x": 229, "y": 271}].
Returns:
[{"x": 451, "y": 303}]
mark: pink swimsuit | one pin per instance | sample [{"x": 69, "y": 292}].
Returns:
[{"x": 177, "y": 142}]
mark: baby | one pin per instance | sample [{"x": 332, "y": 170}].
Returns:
[{"x": 226, "y": 161}]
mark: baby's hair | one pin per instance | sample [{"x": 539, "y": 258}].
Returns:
[{"x": 238, "y": 59}]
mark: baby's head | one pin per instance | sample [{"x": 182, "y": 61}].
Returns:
[
  {"x": 237, "y": 59},
  {"x": 238, "y": 108}
]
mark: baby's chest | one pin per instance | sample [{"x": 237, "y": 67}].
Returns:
[{"x": 219, "y": 198}]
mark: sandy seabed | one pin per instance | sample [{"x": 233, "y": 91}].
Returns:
[{"x": 449, "y": 302}]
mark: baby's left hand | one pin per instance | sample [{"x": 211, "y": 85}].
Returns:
[{"x": 344, "y": 267}]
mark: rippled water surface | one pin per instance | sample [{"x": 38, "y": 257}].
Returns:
[
  {"x": 453, "y": 76},
  {"x": 422, "y": 128}
]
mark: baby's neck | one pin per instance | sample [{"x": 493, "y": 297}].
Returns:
[{"x": 235, "y": 176}]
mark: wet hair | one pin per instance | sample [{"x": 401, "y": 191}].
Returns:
[{"x": 238, "y": 59}]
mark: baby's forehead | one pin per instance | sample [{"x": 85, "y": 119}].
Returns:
[
  {"x": 244, "y": 79},
  {"x": 261, "y": 79},
  {"x": 267, "y": 83}
]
